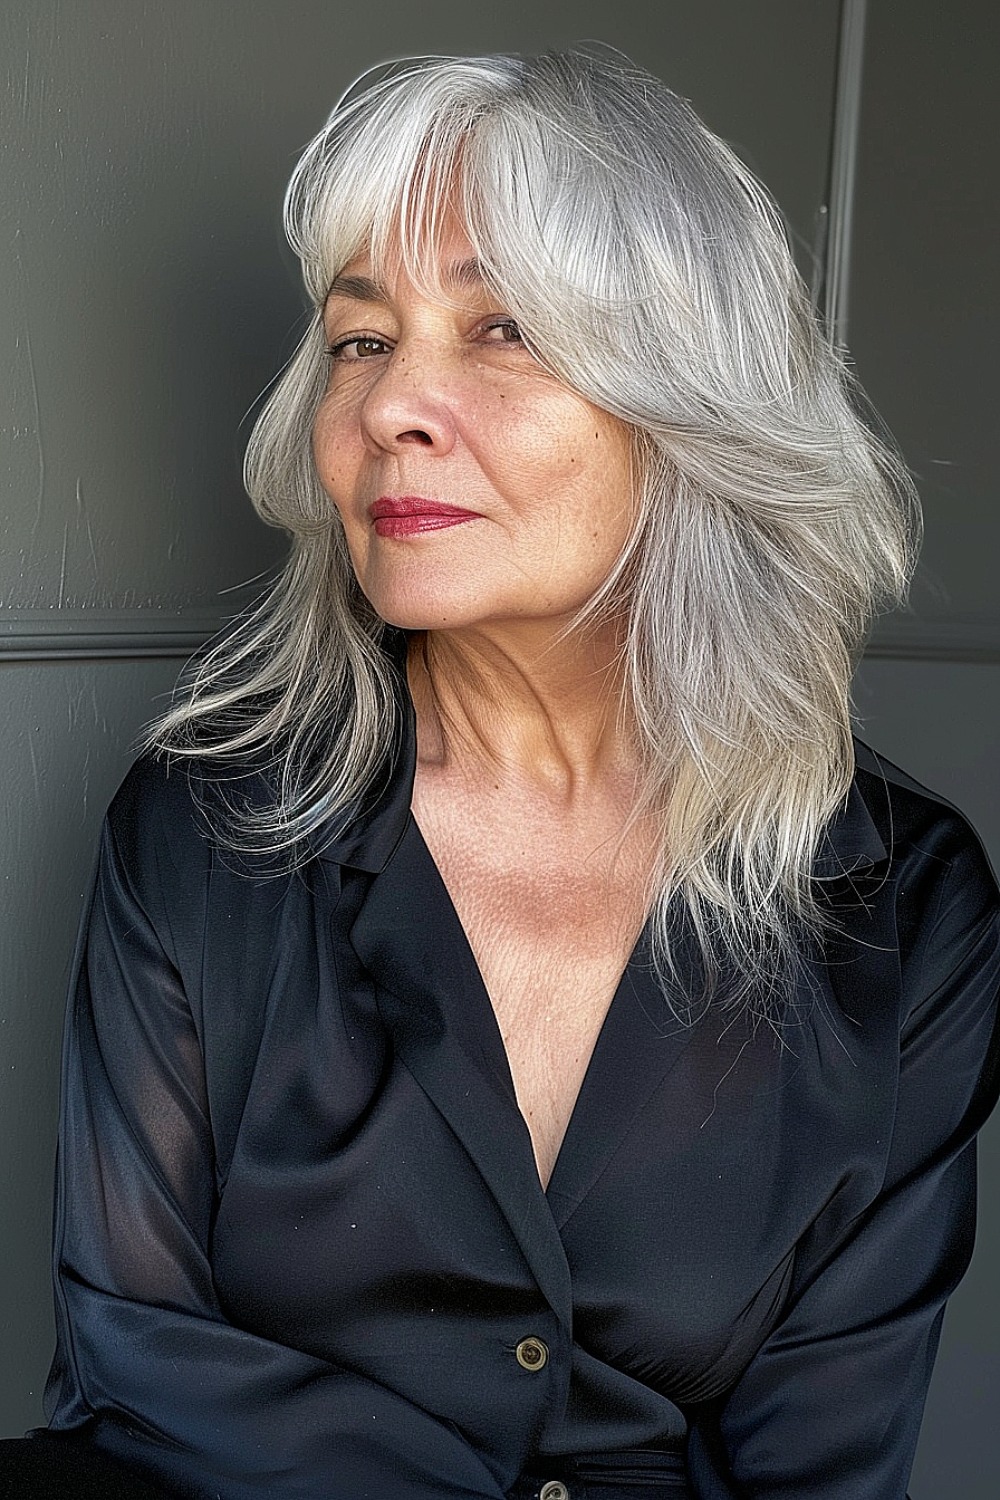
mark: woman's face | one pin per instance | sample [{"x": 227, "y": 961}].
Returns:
[{"x": 473, "y": 487}]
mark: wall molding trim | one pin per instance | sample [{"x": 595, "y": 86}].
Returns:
[
  {"x": 89, "y": 635},
  {"x": 904, "y": 637},
  {"x": 92, "y": 635}
]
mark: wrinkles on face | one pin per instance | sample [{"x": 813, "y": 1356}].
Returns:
[{"x": 443, "y": 401}]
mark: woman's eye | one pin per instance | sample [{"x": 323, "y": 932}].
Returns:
[
  {"x": 508, "y": 330},
  {"x": 350, "y": 351}
]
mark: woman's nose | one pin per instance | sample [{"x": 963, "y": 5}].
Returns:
[{"x": 411, "y": 403}]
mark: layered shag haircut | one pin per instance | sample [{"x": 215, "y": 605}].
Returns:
[{"x": 649, "y": 271}]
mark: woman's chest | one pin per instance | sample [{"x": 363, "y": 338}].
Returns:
[
  {"x": 381, "y": 1183},
  {"x": 551, "y": 934},
  {"x": 382, "y": 1180},
  {"x": 551, "y": 952},
  {"x": 416, "y": 1219}
]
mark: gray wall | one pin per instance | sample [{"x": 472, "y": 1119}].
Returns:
[
  {"x": 147, "y": 300},
  {"x": 924, "y": 322}
]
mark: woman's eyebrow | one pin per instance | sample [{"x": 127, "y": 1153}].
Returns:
[
  {"x": 360, "y": 288},
  {"x": 463, "y": 273}
]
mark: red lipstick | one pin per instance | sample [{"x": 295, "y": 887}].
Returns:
[{"x": 409, "y": 515}]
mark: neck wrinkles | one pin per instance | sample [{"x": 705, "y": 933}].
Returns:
[{"x": 549, "y": 710}]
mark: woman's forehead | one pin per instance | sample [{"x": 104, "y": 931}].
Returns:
[
  {"x": 359, "y": 280},
  {"x": 442, "y": 258}
]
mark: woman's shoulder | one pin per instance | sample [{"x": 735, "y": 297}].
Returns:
[
  {"x": 919, "y": 826},
  {"x": 171, "y": 815},
  {"x": 166, "y": 854},
  {"x": 939, "y": 878},
  {"x": 157, "y": 848},
  {"x": 160, "y": 806}
]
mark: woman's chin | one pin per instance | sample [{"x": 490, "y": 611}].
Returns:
[
  {"x": 427, "y": 607},
  {"x": 415, "y": 617},
  {"x": 421, "y": 610}
]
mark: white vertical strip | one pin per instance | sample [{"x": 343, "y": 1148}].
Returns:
[{"x": 843, "y": 167}]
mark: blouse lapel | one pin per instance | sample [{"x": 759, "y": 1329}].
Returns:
[
  {"x": 640, "y": 1045},
  {"x": 432, "y": 999}
]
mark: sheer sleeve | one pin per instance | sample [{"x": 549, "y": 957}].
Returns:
[
  {"x": 147, "y": 1366},
  {"x": 830, "y": 1407}
]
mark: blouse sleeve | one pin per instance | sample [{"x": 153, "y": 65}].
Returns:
[
  {"x": 147, "y": 1365},
  {"x": 830, "y": 1407}
]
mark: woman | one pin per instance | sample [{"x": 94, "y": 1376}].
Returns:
[{"x": 520, "y": 1048}]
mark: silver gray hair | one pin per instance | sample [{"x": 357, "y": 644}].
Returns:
[{"x": 650, "y": 271}]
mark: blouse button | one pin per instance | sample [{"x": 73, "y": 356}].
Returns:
[
  {"x": 532, "y": 1354},
  {"x": 553, "y": 1490}
]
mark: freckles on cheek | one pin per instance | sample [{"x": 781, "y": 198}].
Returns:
[
  {"x": 332, "y": 433},
  {"x": 329, "y": 460},
  {"x": 320, "y": 449}
]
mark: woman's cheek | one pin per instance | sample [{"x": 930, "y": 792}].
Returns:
[{"x": 333, "y": 455}]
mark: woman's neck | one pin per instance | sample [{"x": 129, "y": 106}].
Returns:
[{"x": 523, "y": 705}]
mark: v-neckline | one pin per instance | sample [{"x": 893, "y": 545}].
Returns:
[
  {"x": 428, "y": 989},
  {"x": 491, "y": 1037}
]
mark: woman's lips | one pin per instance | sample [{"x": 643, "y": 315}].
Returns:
[{"x": 409, "y": 515}]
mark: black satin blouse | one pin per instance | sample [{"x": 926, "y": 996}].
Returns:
[{"x": 302, "y": 1248}]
